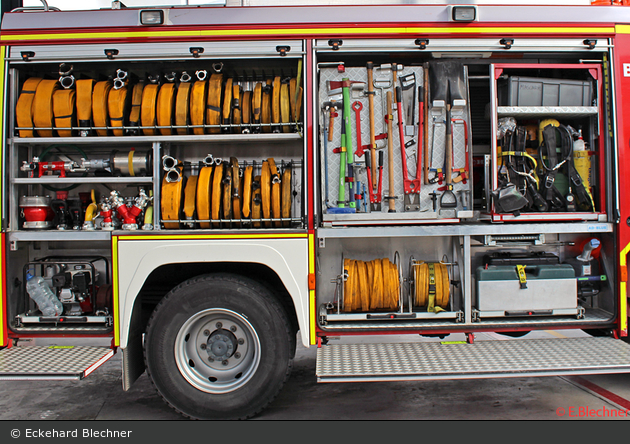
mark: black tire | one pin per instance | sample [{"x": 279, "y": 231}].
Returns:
[{"x": 218, "y": 347}]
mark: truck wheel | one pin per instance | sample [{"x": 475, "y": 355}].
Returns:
[{"x": 218, "y": 347}]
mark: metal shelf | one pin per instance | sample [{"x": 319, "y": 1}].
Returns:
[
  {"x": 213, "y": 138},
  {"x": 78, "y": 180},
  {"x": 480, "y": 229},
  {"x": 546, "y": 111},
  {"x": 52, "y": 235}
]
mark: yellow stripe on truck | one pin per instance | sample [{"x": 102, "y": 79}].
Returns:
[
  {"x": 623, "y": 294},
  {"x": 115, "y": 290},
  {"x": 411, "y": 30}
]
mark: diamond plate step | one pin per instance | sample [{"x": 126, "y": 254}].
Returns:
[
  {"x": 51, "y": 362},
  {"x": 482, "y": 359}
]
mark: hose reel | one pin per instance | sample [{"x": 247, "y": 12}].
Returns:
[
  {"x": 368, "y": 286},
  {"x": 429, "y": 284}
]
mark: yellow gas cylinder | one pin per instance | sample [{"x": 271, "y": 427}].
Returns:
[{"x": 582, "y": 161}]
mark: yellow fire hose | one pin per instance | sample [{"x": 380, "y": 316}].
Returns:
[
  {"x": 100, "y": 114},
  {"x": 24, "y": 108},
  {"x": 63, "y": 109},
  {"x": 370, "y": 286},
  {"x": 431, "y": 286},
  {"x": 43, "y": 107}
]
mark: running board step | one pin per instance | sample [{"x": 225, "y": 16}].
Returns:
[
  {"x": 51, "y": 362},
  {"x": 482, "y": 359}
]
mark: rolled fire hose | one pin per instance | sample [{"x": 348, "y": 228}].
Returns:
[
  {"x": 213, "y": 112},
  {"x": 203, "y": 195},
  {"x": 136, "y": 107},
  {"x": 236, "y": 189},
  {"x": 171, "y": 201},
  {"x": 226, "y": 117},
  {"x": 43, "y": 107},
  {"x": 266, "y": 106},
  {"x": 247, "y": 190},
  {"x": 265, "y": 192},
  {"x": 24, "y": 108},
  {"x": 285, "y": 107},
  {"x": 227, "y": 195},
  {"x": 63, "y": 110},
  {"x": 370, "y": 286},
  {"x": 246, "y": 111},
  {"x": 256, "y": 201},
  {"x": 100, "y": 114},
  {"x": 275, "y": 100},
  {"x": 148, "y": 108},
  {"x": 216, "y": 194},
  {"x": 84, "y": 89},
  {"x": 237, "y": 98},
  {"x": 182, "y": 107},
  {"x": 276, "y": 210},
  {"x": 286, "y": 196},
  {"x": 431, "y": 285},
  {"x": 190, "y": 196},
  {"x": 117, "y": 107},
  {"x": 198, "y": 95},
  {"x": 295, "y": 94},
  {"x": 256, "y": 103},
  {"x": 165, "y": 103}
]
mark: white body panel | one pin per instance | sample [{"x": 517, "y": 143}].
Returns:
[{"x": 288, "y": 258}]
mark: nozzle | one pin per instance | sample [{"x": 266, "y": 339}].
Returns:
[{"x": 588, "y": 249}]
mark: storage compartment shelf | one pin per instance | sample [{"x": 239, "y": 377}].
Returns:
[
  {"x": 72, "y": 180},
  {"x": 59, "y": 235},
  {"x": 546, "y": 111},
  {"x": 232, "y": 138}
]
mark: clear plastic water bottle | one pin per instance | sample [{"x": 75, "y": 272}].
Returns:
[{"x": 43, "y": 296}]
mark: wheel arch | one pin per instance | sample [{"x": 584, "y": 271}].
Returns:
[{"x": 145, "y": 273}]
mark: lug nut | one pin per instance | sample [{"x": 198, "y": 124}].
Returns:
[
  {"x": 237, "y": 355},
  {"x": 210, "y": 358},
  {"x": 206, "y": 332},
  {"x": 241, "y": 341},
  {"x": 225, "y": 362},
  {"x": 202, "y": 346},
  {"x": 219, "y": 325},
  {"x": 233, "y": 328}
]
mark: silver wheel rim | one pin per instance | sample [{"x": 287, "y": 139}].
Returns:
[{"x": 217, "y": 351}]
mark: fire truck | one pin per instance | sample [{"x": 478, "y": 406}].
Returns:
[{"x": 204, "y": 189}]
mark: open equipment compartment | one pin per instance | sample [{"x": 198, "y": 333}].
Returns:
[
  {"x": 158, "y": 122},
  {"x": 355, "y": 235},
  {"x": 530, "y": 180}
]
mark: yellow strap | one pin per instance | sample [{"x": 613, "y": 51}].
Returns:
[
  {"x": 100, "y": 96},
  {"x": 236, "y": 107},
  {"x": 24, "y": 106},
  {"x": 247, "y": 191},
  {"x": 285, "y": 107},
  {"x": 203, "y": 195},
  {"x": 522, "y": 276},
  {"x": 256, "y": 201},
  {"x": 63, "y": 109},
  {"x": 275, "y": 100},
  {"x": 171, "y": 201},
  {"x": 216, "y": 194},
  {"x": 190, "y": 196},
  {"x": 266, "y": 106},
  {"x": 148, "y": 108},
  {"x": 213, "y": 111},
  {"x": 84, "y": 89},
  {"x": 165, "y": 102},
  {"x": 198, "y": 105},
  {"x": 117, "y": 106},
  {"x": 182, "y": 107},
  {"x": 265, "y": 191},
  {"x": 43, "y": 107},
  {"x": 286, "y": 196}
]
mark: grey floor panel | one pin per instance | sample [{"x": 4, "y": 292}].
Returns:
[{"x": 437, "y": 360}]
